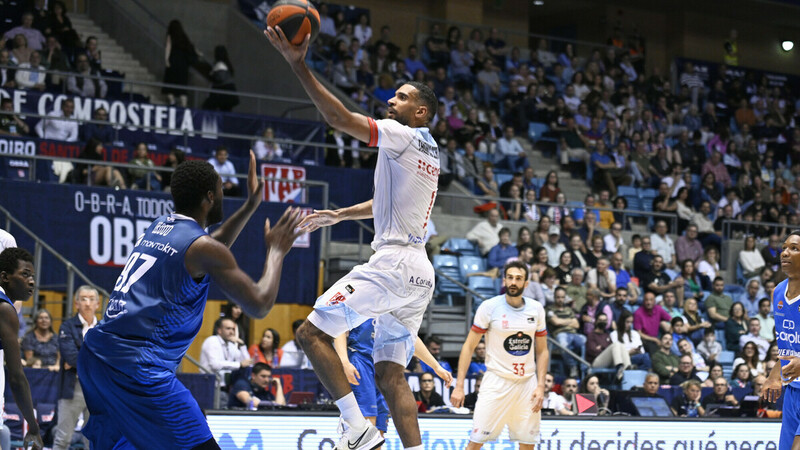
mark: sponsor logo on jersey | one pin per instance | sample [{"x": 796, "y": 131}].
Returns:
[
  {"x": 336, "y": 299},
  {"x": 792, "y": 338},
  {"x": 349, "y": 289},
  {"x": 428, "y": 149},
  {"x": 788, "y": 324},
  {"x": 162, "y": 229},
  {"x": 505, "y": 324},
  {"x": 531, "y": 319},
  {"x": 427, "y": 170},
  {"x": 780, "y": 304},
  {"x": 518, "y": 344},
  {"x": 415, "y": 239}
]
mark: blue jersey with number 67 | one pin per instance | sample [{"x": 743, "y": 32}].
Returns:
[{"x": 156, "y": 307}]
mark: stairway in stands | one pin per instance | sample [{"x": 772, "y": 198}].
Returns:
[{"x": 116, "y": 58}]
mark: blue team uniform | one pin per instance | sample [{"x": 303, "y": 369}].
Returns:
[
  {"x": 127, "y": 363},
  {"x": 370, "y": 400},
  {"x": 787, "y": 332}
]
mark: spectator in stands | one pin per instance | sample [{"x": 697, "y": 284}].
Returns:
[
  {"x": 715, "y": 166},
  {"x": 620, "y": 303},
  {"x": 694, "y": 320},
  {"x": 143, "y": 178},
  {"x": 81, "y": 84},
  {"x": 226, "y": 169},
  {"x": 251, "y": 393},
  {"x": 179, "y": 55},
  {"x": 362, "y": 30},
  {"x": 606, "y": 172},
  {"x": 754, "y": 336},
  {"x": 98, "y": 175},
  {"x": 174, "y": 158},
  {"x": 434, "y": 345},
  {"x": 550, "y": 189},
  {"x": 552, "y": 400},
  {"x": 771, "y": 253},
  {"x": 427, "y": 396},
  {"x": 709, "y": 266},
  {"x": 613, "y": 241},
  {"x": 267, "y": 149},
  {"x": 20, "y": 52},
  {"x": 40, "y": 345},
  {"x": 658, "y": 282},
  {"x": 70, "y": 339},
  {"x": 741, "y": 376},
  {"x": 686, "y": 371},
  {"x": 221, "y": 76},
  {"x": 685, "y": 347},
  {"x": 749, "y": 356},
  {"x": 501, "y": 252},
  {"x": 221, "y": 353},
  {"x": 750, "y": 258},
  {"x": 651, "y": 385},
  {"x": 489, "y": 84},
  {"x": 7, "y": 76},
  {"x": 99, "y": 131},
  {"x": 573, "y": 144},
  {"x": 413, "y": 63},
  {"x": 478, "y": 363},
  {"x": 751, "y": 297},
  {"x": 718, "y": 304},
  {"x": 564, "y": 327},
  {"x": 58, "y": 129},
  {"x": 766, "y": 321},
  {"x": 642, "y": 260},
  {"x": 242, "y": 332},
  {"x": 472, "y": 398},
  {"x": 665, "y": 362},
  {"x": 632, "y": 340},
  {"x": 688, "y": 247},
  {"x": 510, "y": 153},
  {"x": 53, "y": 58},
  {"x": 691, "y": 281},
  {"x": 486, "y": 233},
  {"x": 555, "y": 249},
  {"x": 267, "y": 350},
  {"x": 603, "y": 352},
  {"x": 93, "y": 54},
  {"x": 649, "y": 320},
  {"x": 34, "y": 38},
  {"x": 28, "y": 75},
  {"x": 593, "y": 307},
  {"x": 10, "y": 123},
  {"x": 59, "y": 25},
  {"x": 327, "y": 27},
  {"x": 721, "y": 395},
  {"x": 569, "y": 387},
  {"x": 578, "y": 250},
  {"x": 436, "y": 46},
  {"x": 602, "y": 279},
  {"x": 663, "y": 245},
  {"x": 576, "y": 290},
  {"x": 293, "y": 355},
  {"x": 669, "y": 303},
  {"x": 735, "y": 325}
]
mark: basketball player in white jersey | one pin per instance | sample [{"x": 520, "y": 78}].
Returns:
[
  {"x": 396, "y": 285},
  {"x": 516, "y": 364}
]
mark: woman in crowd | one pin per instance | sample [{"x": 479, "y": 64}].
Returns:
[
  {"x": 750, "y": 258},
  {"x": 710, "y": 191},
  {"x": 539, "y": 263},
  {"x": 591, "y": 385},
  {"x": 621, "y": 204},
  {"x": 691, "y": 286},
  {"x": 735, "y": 326},
  {"x": 179, "y": 55},
  {"x": 40, "y": 345},
  {"x": 523, "y": 236},
  {"x": 234, "y": 312},
  {"x": 688, "y": 404},
  {"x": 579, "y": 257},
  {"x": 772, "y": 354},
  {"x": 100, "y": 175},
  {"x": 714, "y": 372},
  {"x": 741, "y": 376},
  {"x": 708, "y": 267},
  {"x": 267, "y": 149},
  {"x": 268, "y": 350},
  {"x": 631, "y": 339},
  {"x": 550, "y": 190},
  {"x": 749, "y": 357},
  {"x": 542, "y": 233},
  {"x": 559, "y": 211},
  {"x": 222, "y": 79},
  {"x": 564, "y": 268},
  {"x": 596, "y": 252},
  {"x": 20, "y": 53}
]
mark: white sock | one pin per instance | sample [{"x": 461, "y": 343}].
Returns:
[
  {"x": 418, "y": 447},
  {"x": 351, "y": 413}
]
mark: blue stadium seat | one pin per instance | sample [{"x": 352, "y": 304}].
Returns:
[
  {"x": 536, "y": 131},
  {"x": 627, "y": 191},
  {"x": 502, "y": 178},
  {"x": 740, "y": 279},
  {"x": 483, "y": 285},
  {"x": 725, "y": 359},
  {"x": 633, "y": 378},
  {"x": 471, "y": 264},
  {"x": 447, "y": 264},
  {"x": 461, "y": 246}
]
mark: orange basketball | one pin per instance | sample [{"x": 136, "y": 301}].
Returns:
[{"x": 297, "y": 18}]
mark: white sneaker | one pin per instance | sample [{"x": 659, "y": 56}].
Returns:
[{"x": 367, "y": 438}]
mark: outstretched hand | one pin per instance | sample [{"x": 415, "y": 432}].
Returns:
[
  {"x": 32, "y": 441},
  {"x": 255, "y": 186},
  {"x": 286, "y": 231},
  {"x": 319, "y": 219},
  {"x": 294, "y": 54}
]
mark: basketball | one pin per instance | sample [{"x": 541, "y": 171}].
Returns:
[{"x": 297, "y": 18}]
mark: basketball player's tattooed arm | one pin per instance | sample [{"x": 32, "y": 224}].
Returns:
[
  {"x": 9, "y": 328},
  {"x": 340, "y": 345},
  {"x": 230, "y": 229},
  {"x": 326, "y": 217},
  {"x": 473, "y": 338},
  {"x": 421, "y": 351},
  {"x": 332, "y": 110},
  {"x": 208, "y": 256}
]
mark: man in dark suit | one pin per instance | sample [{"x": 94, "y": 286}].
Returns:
[{"x": 70, "y": 338}]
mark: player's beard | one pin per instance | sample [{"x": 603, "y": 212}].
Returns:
[
  {"x": 513, "y": 291},
  {"x": 215, "y": 214}
]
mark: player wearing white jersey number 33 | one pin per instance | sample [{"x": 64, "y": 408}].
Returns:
[{"x": 516, "y": 359}]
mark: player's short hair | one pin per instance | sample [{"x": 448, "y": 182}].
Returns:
[
  {"x": 10, "y": 258},
  {"x": 260, "y": 367},
  {"x": 191, "y": 181},
  {"x": 427, "y": 97},
  {"x": 516, "y": 264}
]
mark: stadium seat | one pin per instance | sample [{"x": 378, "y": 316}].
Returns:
[
  {"x": 471, "y": 264},
  {"x": 633, "y": 378},
  {"x": 448, "y": 265},
  {"x": 627, "y": 191},
  {"x": 502, "y": 177},
  {"x": 461, "y": 246},
  {"x": 483, "y": 285}
]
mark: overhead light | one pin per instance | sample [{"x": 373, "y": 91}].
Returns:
[
  {"x": 787, "y": 45},
  {"x": 538, "y": 2}
]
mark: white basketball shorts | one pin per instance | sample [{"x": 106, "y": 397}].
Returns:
[
  {"x": 394, "y": 287},
  {"x": 502, "y": 402}
]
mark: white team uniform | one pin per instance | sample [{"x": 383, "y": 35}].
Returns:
[
  {"x": 397, "y": 283},
  {"x": 508, "y": 385}
]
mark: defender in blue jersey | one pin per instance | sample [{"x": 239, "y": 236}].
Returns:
[
  {"x": 16, "y": 283},
  {"x": 127, "y": 363},
  {"x": 786, "y": 308}
]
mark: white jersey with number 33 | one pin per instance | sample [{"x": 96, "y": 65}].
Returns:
[
  {"x": 510, "y": 335},
  {"x": 406, "y": 180}
]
